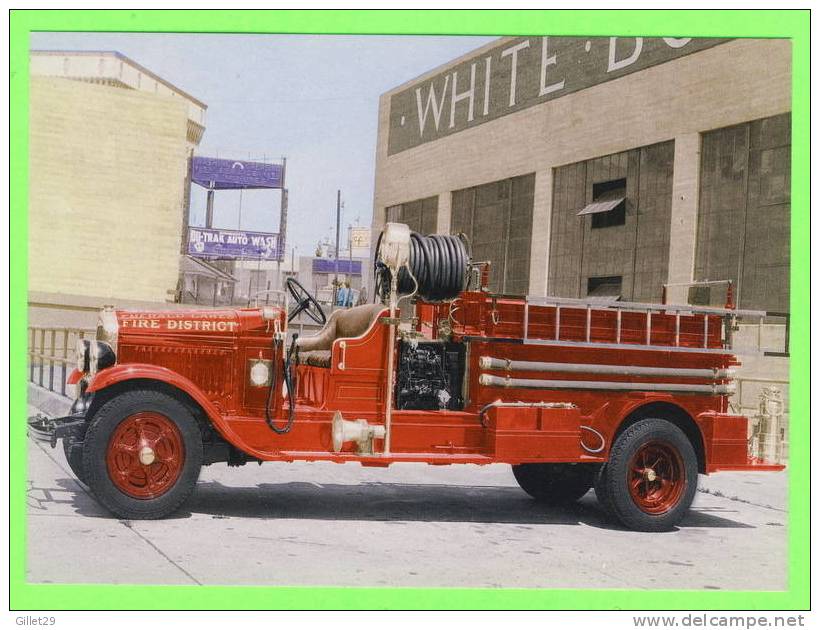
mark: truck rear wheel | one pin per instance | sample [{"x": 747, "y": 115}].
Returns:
[
  {"x": 555, "y": 484},
  {"x": 651, "y": 477},
  {"x": 142, "y": 454}
]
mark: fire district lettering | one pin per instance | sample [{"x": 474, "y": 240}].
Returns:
[{"x": 181, "y": 324}]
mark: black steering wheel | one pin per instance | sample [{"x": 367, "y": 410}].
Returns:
[{"x": 304, "y": 302}]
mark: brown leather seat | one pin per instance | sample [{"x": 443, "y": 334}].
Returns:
[{"x": 342, "y": 324}]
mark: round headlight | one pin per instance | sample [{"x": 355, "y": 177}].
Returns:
[
  {"x": 260, "y": 373},
  {"x": 101, "y": 356},
  {"x": 81, "y": 350},
  {"x": 108, "y": 327}
]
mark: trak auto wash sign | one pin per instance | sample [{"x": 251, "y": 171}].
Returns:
[
  {"x": 207, "y": 242},
  {"x": 520, "y": 73}
]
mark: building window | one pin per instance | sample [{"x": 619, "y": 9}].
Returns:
[
  {"x": 609, "y": 203},
  {"x": 581, "y": 248},
  {"x": 605, "y": 287},
  {"x": 420, "y": 215}
]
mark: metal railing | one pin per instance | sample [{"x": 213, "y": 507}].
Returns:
[
  {"x": 50, "y": 353},
  {"x": 786, "y": 317}
]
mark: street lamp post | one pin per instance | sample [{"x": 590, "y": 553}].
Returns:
[{"x": 338, "y": 221}]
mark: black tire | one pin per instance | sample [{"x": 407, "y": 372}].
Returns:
[
  {"x": 100, "y": 431},
  {"x": 73, "y": 450},
  {"x": 555, "y": 484},
  {"x": 600, "y": 489},
  {"x": 662, "y": 490}
]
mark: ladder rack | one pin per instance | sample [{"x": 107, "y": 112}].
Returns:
[{"x": 728, "y": 316}]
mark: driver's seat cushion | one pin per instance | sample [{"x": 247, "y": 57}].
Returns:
[{"x": 342, "y": 324}]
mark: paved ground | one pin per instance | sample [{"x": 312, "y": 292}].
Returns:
[{"x": 409, "y": 525}]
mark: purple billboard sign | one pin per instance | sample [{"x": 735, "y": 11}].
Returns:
[
  {"x": 233, "y": 174},
  {"x": 212, "y": 243},
  {"x": 328, "y": 265}
]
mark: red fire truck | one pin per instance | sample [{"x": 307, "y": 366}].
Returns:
[{"x": 629, "y": 398}]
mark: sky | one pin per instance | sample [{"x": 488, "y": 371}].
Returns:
[{"x": 313, "y": 99}]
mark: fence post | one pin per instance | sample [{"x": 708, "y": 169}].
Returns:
[
  {"x": 32, "y": 348},
  {"x": 51, "y": 360},
  {"x": 42, "y": 353},
  {"x": 65, "y": 361}
]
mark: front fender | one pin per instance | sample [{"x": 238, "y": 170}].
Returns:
[
  {"x": 146, "y": 371},
  {"x": 132, "y": 371}
]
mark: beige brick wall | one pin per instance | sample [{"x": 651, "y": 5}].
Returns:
[
  {"x": 728, "y": 84},
  {"x": 106, "y": 186}
]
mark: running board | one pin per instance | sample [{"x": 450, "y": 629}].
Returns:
[{"x": 383, "y": 460}]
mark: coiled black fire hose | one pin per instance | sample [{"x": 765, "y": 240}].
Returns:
[{"x": 438, "y": 268}]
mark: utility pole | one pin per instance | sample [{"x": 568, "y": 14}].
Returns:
[
  {"x": 283, "y": 224},
  {"x": 209, "y": 207},
  {"x": 338, "y": 220},
  {"x": 350, "y": 259}
]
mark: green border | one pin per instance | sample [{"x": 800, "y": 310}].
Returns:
[{"x": 752, "y": 23}]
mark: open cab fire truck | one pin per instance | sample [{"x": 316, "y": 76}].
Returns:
[{"x": 631, "y": 399}]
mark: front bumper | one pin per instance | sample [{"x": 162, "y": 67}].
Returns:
[{"x": 49, "y": 430}]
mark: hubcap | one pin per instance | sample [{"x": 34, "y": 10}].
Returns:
[
  {"x": 656, "y": 477},
  {"x": 145, "y": 455}
]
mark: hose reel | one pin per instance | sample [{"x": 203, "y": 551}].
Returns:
[{"x": 436, "y": 267}]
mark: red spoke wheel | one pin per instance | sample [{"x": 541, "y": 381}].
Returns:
[
  {"x": 650, "y": 479},
  {"x": 142, "y": 454},
  {"x": 657, "y": 477},
  {"x": 145, "y": 455}
]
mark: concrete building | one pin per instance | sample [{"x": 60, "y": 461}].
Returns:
[
  {"x": 114, "y": 69},
  {"x": 692, "y": 135},
  {"x": 605, "y": 167},
  {"x": 109, "y": 145}
]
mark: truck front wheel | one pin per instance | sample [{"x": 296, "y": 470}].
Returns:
[
  {"x": 555, "y": 484},
  {"x": 73, "y": 450},
  {"x": 651, "y": 477},
  {"x": 142, "y": 454}
]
